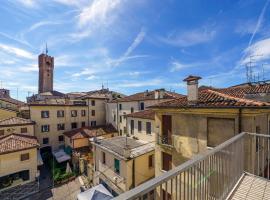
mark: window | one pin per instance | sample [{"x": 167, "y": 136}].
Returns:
[
  {"x": 120, "y": 106},
  {"x": 83, "y": 113},
  {"x": 148, "y": 127},
  {"x": 93, "y": 103},
  {"x": 24, "y": 156},
  {"x": 139, "y": 126},
  {"x": 120, "y": 119},
  {"x": 258, "y": 131},
  {"x": 121, "y": 132},
  {"x": 44, "y": 114},
  {"x": 60, "y": 127},
  {"x": 103, "y": 158},
  {"x": 151, "y": 161},
  {"x": 114, "y": 117},
  {"x": 60, "y": 138},
  {"x": 74, "y": 125},
  {"x": 117, "y": 166},
  {"x": 2, "y": 132},
  {"x": 45, "y": 140},
  {"x": 166, "y": 161},
  {"x": 93, "y": 112},
  {"x": 93, "y": 123},
  {"x": 45, "y": 128},
  {"x": 60, "y": 113},
  {"x": 74, "y": 113},
  {"x": 131, "y": 126},
  {"x": 125, "y": 129},
  {"x": 166, "y": 130},
  {"x": 83, "y": 124},
  {"x": 24, "y": 130},
  {"x": 132, "y": 110},
  {"x": 142, "y": 106}
]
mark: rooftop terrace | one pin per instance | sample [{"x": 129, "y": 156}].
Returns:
[{"x": 236, "y": 169}]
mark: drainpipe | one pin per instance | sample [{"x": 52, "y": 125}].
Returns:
[{"x": 240, "y": 120}]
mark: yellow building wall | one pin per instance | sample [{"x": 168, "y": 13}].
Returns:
[
  {"x": 4, "y": 114},
  {"x": 53, "y": 120},
  {"x": 11, "y": 163},
  {"x": 8, "y": 105},
  {"x": 17, "y": 129}
]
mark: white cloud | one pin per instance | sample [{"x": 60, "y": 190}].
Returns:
[
  {"x": 135, "y": 84},
  {"x": 260, "y": 51},
  {"x": 28, "y": 3},
  {"x": 17, "y": 51},
  {"x": 245, "y": 27},
  {"x": 188, "y": 38},
  {"x": 91, "y": 77},
  {"x": 177, "y": 66},
  {"x": 43, "y": 23},
  {"x": 97, "y": 12}
]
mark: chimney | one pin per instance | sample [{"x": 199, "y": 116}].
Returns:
[
  {"x": 192, "y": 89},
  {"x": 159, "y": 93}
]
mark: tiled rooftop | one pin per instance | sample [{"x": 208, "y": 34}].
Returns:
[
  {"x": 212, "y": 98},
  {"x": 13, "y": 121},
  {"x": 17, "y": 142},
  {"x": 149, "y": 95},
  {"x": 145, "y": 114},
  {"x": 87, "y": 132}
]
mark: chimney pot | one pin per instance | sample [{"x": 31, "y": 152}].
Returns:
[{"x": 192, "y": 89}]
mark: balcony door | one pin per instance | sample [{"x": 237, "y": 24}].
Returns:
[{"x": 167, "y": 129}]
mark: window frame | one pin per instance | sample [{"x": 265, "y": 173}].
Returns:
[
  {"x": 147, "y": 127},
  {"x": 45, "y": 116},
  {"x": 47, "y": 130},
  {"x": 103, "y": 158},
  {"x": 93, "y": 103},
  {"x": 61, "y": 136},
  {"x": 60, "y": 115},
  {"x": 44, "y": 139},
  {"x": 72, "y": 123},
  {"x": 93, "y": 113},
  {"x": 25, "y": 157},
  {"x": 83, "y": 113},
  {"x": 139, "y": 126},
  {"x": 73, "y": 113},
  {"x": 117, "y": 171},
  {"x": 61, "y": 129}
]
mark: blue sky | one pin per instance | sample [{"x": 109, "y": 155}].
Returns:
[{"x": 133, "y": 45}]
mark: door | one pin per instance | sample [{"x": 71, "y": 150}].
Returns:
[{"x": 167, "y": 129}]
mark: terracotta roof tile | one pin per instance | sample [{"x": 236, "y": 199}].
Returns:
[
  {"x": 145, "y": 114},
  {"x": 12, "y": 121},
  {"x": 88, "y": 132},
  {"x": 212, "y": 98},
  {"x": 17, "y": 142},
  {"x": 148, "y": 95}
]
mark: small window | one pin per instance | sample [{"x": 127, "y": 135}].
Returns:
[
  {"x": 45, "y": 114},
  {"x": 93, "y": 103},
  {"x": 83, "y": 113},
  {"x": 148, "y": 127},
  {"x": 120, "y": 119},
  {"x": 2, "y": 132},
  {"x": 45, "y": 128},
  {"x": 74, "y": 113},
  {"x": 60, "y": 127},
  {"x": 139, "y": 126},
  {"x": 103, "y": 158},
  {"x": 60, "y": 138},
  {"x": 121, "y": 132},
  {"x": 60, "y": 113},
  {"x": 93, "y": 123},
  {"x": 24, "y": 130},
  {"x": 117, "y": 166},
  {"x": 131, "y": 126},
  {"x": 166, "y": 161},
  {"x": 114, "y": 117},
  {"x": 151, "y": 161},
  {"x": 93, "y": 112},
  {"x": 24, "y": 156},
  {"x": 125, "y": 130},
  {"x": 132, "y": 110},
  {"x": 83, "y": 124},
  {"x": 142, "y": 106},
  {"x": 45, "y": 140},
  {"x": 120, "y": 106},
  {"x": 73, "y": 125}
]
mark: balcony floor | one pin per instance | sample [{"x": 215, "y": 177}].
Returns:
[{"x": 252, "y": 188}]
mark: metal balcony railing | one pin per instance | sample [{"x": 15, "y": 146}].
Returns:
[
  {"x": 164, "y": 140},
  {"x": 212, "y": 175}
]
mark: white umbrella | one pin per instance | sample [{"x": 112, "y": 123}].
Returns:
[{"x": 68, "y": 169}]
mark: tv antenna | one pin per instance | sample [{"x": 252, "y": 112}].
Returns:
[{"x": 249, "y": 68}]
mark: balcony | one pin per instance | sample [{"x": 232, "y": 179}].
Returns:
[
  {"x": 164, "y": 140},
  {"x": 232, "y": 170}
]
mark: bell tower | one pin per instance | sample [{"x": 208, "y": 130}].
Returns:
[{"x": 46, "y": 67}]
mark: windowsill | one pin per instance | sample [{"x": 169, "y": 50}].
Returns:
[{"x": 209, "y": 148}]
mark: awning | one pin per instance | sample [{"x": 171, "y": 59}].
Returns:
[
  {"x": 98, "y": 192},
  {"x": 40, "y": 161},
  {"x": 61, "y": 156}
]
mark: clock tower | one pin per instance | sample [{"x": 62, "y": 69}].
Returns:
[{"x": 46, "y": 67}]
